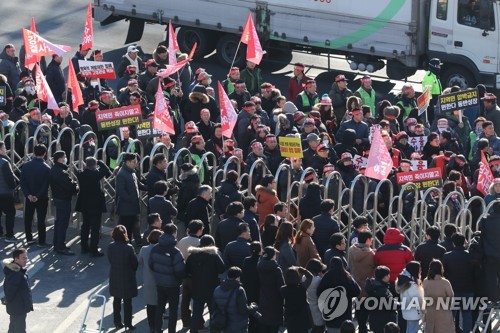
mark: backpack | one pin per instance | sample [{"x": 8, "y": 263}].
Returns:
[{"x": 218, "y": 318}]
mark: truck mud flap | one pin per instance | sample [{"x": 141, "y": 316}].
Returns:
[{"x": 135, "y": 30}]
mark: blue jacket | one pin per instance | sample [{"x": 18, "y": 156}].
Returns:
[
  {"x": 361, "y": 129},
  {"x": 325, "y": 226},
  {"x": 252, "y": 220},
  {"x": 35, "y": 178},
  {"x": 17, "y": 289},
  {"x": 235, "y": 252},
  {"x": 237, "y": 310},
  {"x": 167, "y": 263}
]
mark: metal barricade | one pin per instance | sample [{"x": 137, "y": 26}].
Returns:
[
  {"x": 230, "y": 160},
  {"x": 281, "y": 168},
  {"x": 465, "y": 216},
  {"x": 339, "y": 207},
  {"x": 307, "y": 171},
  {"x": 258, "y": 163},
  {"x": 181, "y": 153},
  {"x": 15, "y": 159},
  {"x": 379, "y": 226},
  {"x": 209, "y": 156},
  {"x": 407, "y": 227},
  {"x": 109, "y": 186},
  {"x": 57, "y": 142},
  {"x": 352, "y": 214},
  {"x": 446, "y": 218}
]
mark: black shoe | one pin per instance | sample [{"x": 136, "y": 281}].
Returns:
[
  {"x": 130, "y": 327},
  {"x": 66, "y": 252},
  {"x": 96, "y": 254},
  {"x": 119, "y": 326}
]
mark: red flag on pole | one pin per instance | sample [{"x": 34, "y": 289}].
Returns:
[
  {"x": 31, "y": 60},
  {"x": 379, "y": 162},
  {"x": 250, "y": 37},
  {"x": 88, "y": 31},
  {"x": 485, "y": 176},
  {"x": 38, "y": 46},
  {"x": 161, "y": 119},
  {"x": 43, "y": 90},
  {"x": 171, "y": 69},
  {"x": 173, "y": 46},
  {"x": 227, "y": 113},
  {"x": 76, "y": 92}
]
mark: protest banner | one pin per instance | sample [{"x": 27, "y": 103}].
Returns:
[
  {"x": 424, "y": 100},
  {"x": 146, "y": 130},
  {"x": 423, "y": 179},
  {"x": 290, "y": 147},
  {"x": 459, "y": 100},
  {"x": 161, "y": 118},
  {"x": 359, "y": 162},
  {"x": 418, "y": 165},
  {"x": 417, "y": 142},
  {"x": 228, "y": 115},
  {"x": 3, "y": 95},
  {"x": 97, "y": 69},
  {"x": 485, "y": 177},
  {"x": 113, "y": 118},
  {"x": 379, "y": 163},
  {"x": 88, "y": 31},
  {"x": 250, "y": 37}
]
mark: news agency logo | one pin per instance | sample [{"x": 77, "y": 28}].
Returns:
[{"x": 333, "y": 303}]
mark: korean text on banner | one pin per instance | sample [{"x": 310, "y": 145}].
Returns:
[
  {"x": 424, "y": 100},
  {"x": 97, "y": 69},
  {"x": 459, "y": 100},
  {"x": 88, "y": 31},
  {"x": 423, "y": 179},
  {"x": 379, "y": 163},
  {"x": 113, "y": 118},
  {"x": 290, "y": 147},
  {"x": 146, "y": 130},
  {"x": 250, "y": 37}
]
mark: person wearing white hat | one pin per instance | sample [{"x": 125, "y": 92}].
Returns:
[{"x": 130, "y": 58}]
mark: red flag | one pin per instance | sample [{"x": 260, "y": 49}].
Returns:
[
  {"x": 88, "y": 31},
  {"x": 31, "y": 60},
  {"x": 161, "y": 119},
  {"x": 379, "y": 162},
  {"x": 485, "y": 176},
  {"x": 227, "y": 113},
  {"x": 43, "y": 90},
  {"x": 173, "y": 46},
  {"x": 76, "y": 92},
  {"x": 171, "y": 69},
  {"x": 38, "y": 46},
  {"x": 250, "y": 37}
]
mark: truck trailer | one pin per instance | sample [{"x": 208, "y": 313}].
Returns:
[{"x": 401, "y": 35}]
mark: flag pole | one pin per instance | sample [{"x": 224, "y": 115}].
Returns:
[{"x": 234, "y": 58}]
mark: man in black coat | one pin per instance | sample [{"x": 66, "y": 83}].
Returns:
[
  {"x": 325, "y": 226},
  {"x": 199, "y": 208},
  {"x": 17, "y": 290},
  {"x": 65, "y": 119},
  {"x": 91, "y": 203},
  {"x": 426, "y": 252},
  {"x": 35, "y": 186},
  {"x": 55, "y": 78},
  {"x": 227, "y": 230},
  {"x": 156, "y": 173},
  {"x": 237, "y": 250},
  {"x": 490, "y": 231},
  {"x": 63, "y": 188},
  {"x": 7, "y": 187},
  {"x": 159, "y": 204}
]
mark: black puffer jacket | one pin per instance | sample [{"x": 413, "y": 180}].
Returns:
[
  {"x": 204, "y": 266},
  {"x": 167, "y": 263},
  {"x": 227, "y": 193},
  {"x": 63, "y": 187},
  {"x": 378, "y": 318},
  {"x": 17, "y": 289},
  {"x": 271, "y": 301},
  {"x": 190, "y": 183}
]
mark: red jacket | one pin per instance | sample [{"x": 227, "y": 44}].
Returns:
[
  {"x": 295, "y": 87},
  {"x": 393, "y": 253}
]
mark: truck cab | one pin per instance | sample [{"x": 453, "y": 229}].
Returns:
[{"x": 464, "y": 34}]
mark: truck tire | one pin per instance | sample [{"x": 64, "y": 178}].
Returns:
[
  {"x": 226, "y": 48},
  {"x": 458, "y": 76},
  {"x": 187, "y": 36}
]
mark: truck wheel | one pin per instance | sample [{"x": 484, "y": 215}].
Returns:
[
  {"x": 187, "y": 36},
  {"x": 226, "y": 48},
  {"x": 458, "y": 76}
]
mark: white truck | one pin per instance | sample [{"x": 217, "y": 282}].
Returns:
[{"x": 399, "y": 34}]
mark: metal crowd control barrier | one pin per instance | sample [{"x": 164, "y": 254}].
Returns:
[
  {"x": 109, "y": 186},
  {"x": 339, "y": 207},
  {"x": 288, "y": 168},
  {"x": 212, "y": 167},
  {"x": 258, "y": 163},
  {"x": 181, "y": 153},
  {"x": 302, "y": 183}
]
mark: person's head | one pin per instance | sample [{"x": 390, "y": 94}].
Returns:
[
  {"x": 405, "y": 165},
  {"x": 347, "y": 326},
  {"x": 160, "y": 188},
  {"x": 205, "y": 191},
  {"x": 235, "y": 209},
  {"x": 232, "y": 177},
  {"x": 435, "y": 268},
  {"x": 310, "y": 86},
  {"x": 357, "y": 115},
  {"x": 449, "y": 187},
  {"x": 483, "y": 144},
  {"x": 234, "y": 73},
  {"x": 284, "y": 233},
  {"x": 170, "y": 229},
  {"x": 35, "y": 114},
  {"x": 195, "y": 228},
  {"x": 119, "y": 234},
  {"x": 488, "y": 128},
  {"x": 360, "y": 223},
  {"x": 40, "y": 150},
  {"x": 433, "y": 233},
  {"x": 382, "y": 273},
  {"x": 83, "y": 52},
  {"x": 244, "y": 230},
  {"x": 154, "y": 236},
  {"x": 270, "y": 221},
  {"x": 135, "y": 97},
  {"x": 60, "y": 157},
  {"x": 292, "y": 276},
  {"x": 315, "y": 266},
  {"x": 338, "y": 241},
  {"x": 160, "y": 161},
  {"x": 327, "y": 206},
  {"x": 433, "y": 139},
  {"x": 234, "y": 273},
  {"x": 271, "y": 141},
  {"x": 20, "y": 256},
  {"x": 449, "y": 230},
  {"x": 365, "y": 237},
  {"x": 97, "y": 55},
  {"x": 154, "y": 220},
  {"x": 269, "y": 253},
  {"x": 257, "y": 148},
  {"x": 251, "y": 65},
  {"x": 91, "y": 163},
  {"x": 198, "y": 142},
  {"x": 366, "y": 82},
  {"x": 408, "y": 90},
  {"x": 132, "y": 52},
  {"x": 307, "y": 227},
  {"x": 255, "y": 248},
  {"x": 205, "y": 115},
  {"x": 207, "y": 240},
  {"x": 281, "y": 210},
  {"x": 489, "y": 100},
  {"x": 130, "y": 160},
  {"x": 298, "y": 69},
  {"x": 250, "y": 203},
  {"x": 268, "y": 181},
  {"x": 415, "y": 269},
  {"x": 391, "y": 328},
  {"x": 458, "y": 240}
]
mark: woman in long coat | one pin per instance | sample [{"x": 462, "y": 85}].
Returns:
[
  {"x": 437, "y": 288},
  {"x": 149, "y": 283},
  {"x": 122, "y": 281}
]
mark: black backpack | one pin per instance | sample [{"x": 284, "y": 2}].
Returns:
[{"x": 218, "y": 318}]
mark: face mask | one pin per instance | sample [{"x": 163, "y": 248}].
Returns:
[
  {"x": 479, "y": 131},
  {"x": 5, "y": 123},
  {"x": 411, "y": 128},
  {"x": 65, "y": 160},
  {"x": 209, "y": 81},
  {"x": 29, "y": 89},
  {"x": 326, "y": 142}
]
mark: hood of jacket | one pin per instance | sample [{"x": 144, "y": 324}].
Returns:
[
  {"x": 376, "y": 287},
  {"x": 198, "y": 97},
  {"x": 191, "y": 175},
  {"x": 205, "y": 250},
  {"x": 229, "y": 284},
  {"x": 167, "y": 240},
  {"x": 404, "y": 277},
  {"x": 10, "y": 265},
  {"x": 393, "y": 236}
]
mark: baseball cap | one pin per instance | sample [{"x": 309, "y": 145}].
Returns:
[
  {"x": 488, "y": 97},
  {"x": 132, "y": 48},
  {"x": 346, "y": 156},
  {"x": 340, "y": 77},
  {"x": 298, "y": 116},
  {"x": 151, "y": 62},
  {"x": 312, "y": 137},
  {"x": 321, "y": 147}
]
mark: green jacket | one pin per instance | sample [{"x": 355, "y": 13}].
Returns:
[
  {"x": 113, "y": 163},
  {"x": 253, "y": 80},
  {"x": 368, "y": 99},
  {"x": 430, "y": 79}
]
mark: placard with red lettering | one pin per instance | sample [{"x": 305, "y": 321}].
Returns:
[
  {"x": 125, "y": 116},
  {"x": 418, "y": 165},
  {"x": 417, "y": 142},
  {"x": 359, "y": 162},
  {"x": 97, "y": 69},
  {"x": 423, "y": 179}
]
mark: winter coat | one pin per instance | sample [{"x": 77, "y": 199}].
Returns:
[
  {"x": 309, "y": 205},
  {"x": 334, "y": 252},
  {"x": 9, "y": 66},
  {"x": 127, "y": 192},
  {"x": 188, "y": 190},
  {"x": 203, "y": 266},
  {"x": 35, "y": 178},
  {"x": 195, "y": 103},
  {"x": 312, "y": 300},
  {"x": 297, "y": 313},
  {"x": 148, "y": 278},
  {"x": 425, "y": 252},
  {"x": 252, "y": 219},
  {"x": 154, "y": 175},
  {"x": 227, "y": 193},
  {"x": 187, "y": 242},
  {"x": 159, "y": 204},
  {"x": 361, "y": 263},
  {"x": 61, "y": 184},
  {"x": 394, "y": 255},
  {"x": 17, "y": 289},
  {"x": 7, "y": 178},
  {"x": 125, "y": 61},
  {"x": 167, "y": 263},
  {"x": 235, "y": 252},
  {"x": 91, "y": 197},
  {"x": 379, "y": 317},
  {"x": 237, "y": 310},
  {"x": 266, "y": 199},
  {"x": 250, "y": 278},
  {"x": 352, "y": 290},
  {"x": 287, "y": 257},
  {"x": 490, "y": 231},
  {"x": 438, "y": 320},
  {"x": 410, "y": 309},
  {"x": 325, "y": 226},
  {"x": 271, "y": 302},
  {"x": 459, "y": 269},
  {"x": 123, "y": 261},
  {"x": 306, "y": 250},
  {"x": 226, "y": 232},
  {"x": 55, "y": 80},
  {"x": 361, "y": 129},
  {"x": 339, "y": 101}
]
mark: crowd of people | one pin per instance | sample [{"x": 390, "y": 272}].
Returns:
[{"x": 257, "y": 262}]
